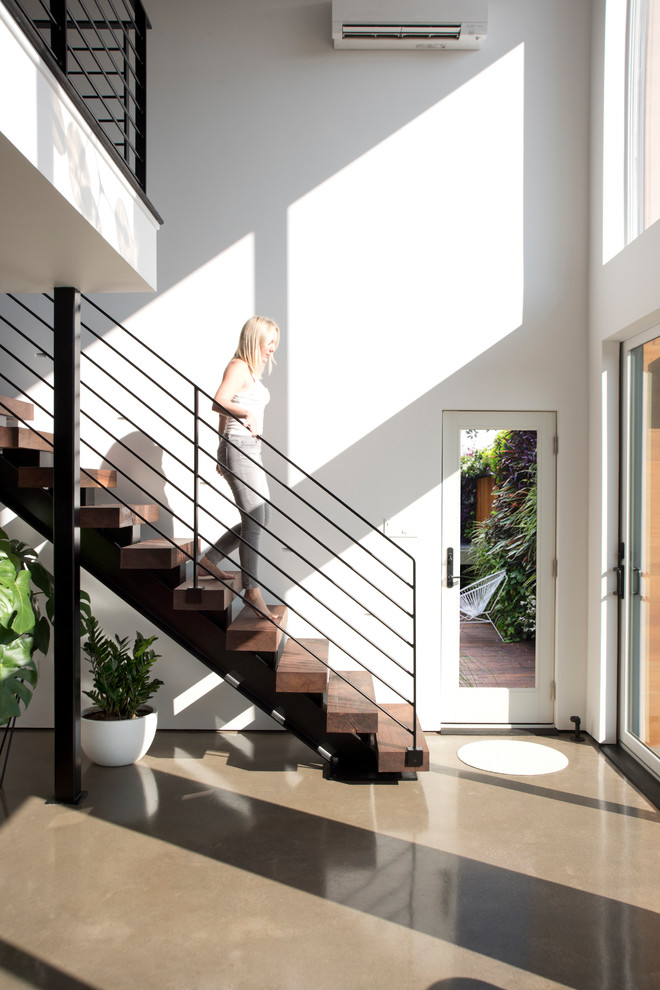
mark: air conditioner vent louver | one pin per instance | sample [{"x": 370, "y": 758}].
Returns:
[{"x": 393, "y": 31}]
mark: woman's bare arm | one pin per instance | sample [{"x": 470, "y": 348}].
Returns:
[{"x": 236, "y": 378}]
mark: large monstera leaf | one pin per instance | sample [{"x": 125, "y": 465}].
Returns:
[
  {"x": 16, "y": 610},
  {"x": 18, "y": 674},
  {"x": 22, "y": 629}
]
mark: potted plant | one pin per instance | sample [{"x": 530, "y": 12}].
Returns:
[
  {"x": 121, "y": 726},
  {"x": 24, "y": 631}
]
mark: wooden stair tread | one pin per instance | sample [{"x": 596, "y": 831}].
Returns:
[
  {"x": 23, "y": 438},
  {"x": 114, "y": 515},
  {"x": 300, "y": 672},
  {"x": 210, "y": 595},
  {"x": 250, "y": 631},
  {"x": 393, "y": 741},
  {"x": 346, "y": 709},
  {"x": 42, "y": 477},
  {"x": 16, "y": 407},
  {"x": 157, "y": 554}
]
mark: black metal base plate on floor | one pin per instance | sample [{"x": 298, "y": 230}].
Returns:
[{"x": 365, "y": 775}]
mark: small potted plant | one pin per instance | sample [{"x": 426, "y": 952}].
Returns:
[{"x": 120, "y": 727}]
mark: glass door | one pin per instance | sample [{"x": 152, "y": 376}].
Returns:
[
  {"x": 498, "y": 555},
  {"x": 639, "y": 689}
]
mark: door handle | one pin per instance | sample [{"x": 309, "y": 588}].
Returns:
[
  {"x": 620, "y": 572},
  {"x": 636, "y": 581},
  {"x": 450, "y": 567},
  {"x": 620, "y": 581}
]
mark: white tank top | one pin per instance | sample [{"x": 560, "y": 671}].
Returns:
[{"x": 254, "y": 399}]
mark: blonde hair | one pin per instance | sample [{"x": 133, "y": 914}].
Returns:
[{"x": 253, "y": 334}]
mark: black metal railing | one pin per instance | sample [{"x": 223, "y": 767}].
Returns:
[
  {"x": 345, "y": 579},
  {"x": 101, "y": 48}
]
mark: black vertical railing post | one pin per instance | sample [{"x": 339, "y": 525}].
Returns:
[
  {"x": 126, "y": 129},
  {"x": 196, "y": 488},
  {"x": 415, "y": 754},
  {"x": 140, "y": 93},
  {"x": 414, "y": 651},
  {"x": 58, "y": 32},
  {"x": 66, "y": 543}
]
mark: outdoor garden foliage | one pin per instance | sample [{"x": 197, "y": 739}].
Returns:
[
  {"x": 507, "y": 539},
  {"x": 475, "y": 464}
]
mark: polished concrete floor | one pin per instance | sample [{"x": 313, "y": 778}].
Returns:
[{"x": 227, "y": 861}]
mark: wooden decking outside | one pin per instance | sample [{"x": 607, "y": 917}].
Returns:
[{"x": 487, "y": 662}]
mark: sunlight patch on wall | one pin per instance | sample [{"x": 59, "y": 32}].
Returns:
[
  {"x": 242, "y": 721},
  {"x": 195, "y": 692},
  {"x": 194, "y": 325},
  {"x": 414, "y": 254},
  {"x": 202, "y": 314}
]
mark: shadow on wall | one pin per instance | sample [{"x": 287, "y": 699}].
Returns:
[{"x": 140, "y": 479}]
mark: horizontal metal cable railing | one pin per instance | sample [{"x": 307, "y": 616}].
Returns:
[
  {"x": 353, "y": 594},
  {"x": 101, "y": 47}
]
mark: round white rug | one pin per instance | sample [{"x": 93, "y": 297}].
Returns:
[{"x": 512, "y": 756}]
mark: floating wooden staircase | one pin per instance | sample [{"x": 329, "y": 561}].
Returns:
[
  {"x": 21, "y": 438},
  {"x": 334, "y": 712},
  {"x": 42, "y": 477}
]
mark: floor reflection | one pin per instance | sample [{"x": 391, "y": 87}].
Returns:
[
  {"x": 500, "y": 913},
  {"x": 237, "y": 853}
]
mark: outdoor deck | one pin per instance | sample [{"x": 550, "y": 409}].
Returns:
[{"x": 487, "y": 662}]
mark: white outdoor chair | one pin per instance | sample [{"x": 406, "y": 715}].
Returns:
[{"x": 477, "y": 597}]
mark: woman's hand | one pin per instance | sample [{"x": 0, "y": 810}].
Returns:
[{"x": 250, "y": 423}]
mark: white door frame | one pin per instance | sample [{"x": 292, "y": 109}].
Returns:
[{"x": 496, "y": 706}]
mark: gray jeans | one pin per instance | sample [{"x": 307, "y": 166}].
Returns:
[{"x": 252, "y": 505}]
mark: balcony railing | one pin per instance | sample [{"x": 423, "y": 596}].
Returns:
[{"x": 100, "y": 46}]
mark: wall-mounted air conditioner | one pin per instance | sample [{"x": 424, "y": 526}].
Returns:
[{"x": 424, "y": 25}]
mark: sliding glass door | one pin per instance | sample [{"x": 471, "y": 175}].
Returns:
[{"x": 639, "y": 585}]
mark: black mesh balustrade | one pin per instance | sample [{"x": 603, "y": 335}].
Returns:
[{"x": 99, "y": 47}]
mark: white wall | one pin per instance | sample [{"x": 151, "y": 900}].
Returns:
[{"x": 416, "y": 222}]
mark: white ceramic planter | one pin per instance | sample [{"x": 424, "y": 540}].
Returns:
[{"x": 117, "y": 743}]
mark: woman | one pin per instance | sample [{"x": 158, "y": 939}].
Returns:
[{"x": 241, "y": 400}]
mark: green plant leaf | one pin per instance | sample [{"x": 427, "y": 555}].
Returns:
[
  {"x": 25, "y": 618},
  {"x": 42, "y": 578},
  {"x": 7, "y": 610},
  {"x": 18, "y": 677},
  {"x": 22, "y": 628},
  {"x": 120, "y": 673},
  {"x": 42, "y": 635}
]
